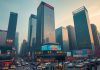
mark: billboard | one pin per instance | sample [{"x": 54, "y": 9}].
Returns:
[
  {"x": 81, "y": 53},
  {"x": 51, "y": 47}
]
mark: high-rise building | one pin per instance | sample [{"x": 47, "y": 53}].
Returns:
[
  {"x": 24, "y": 49},
  {"x": 99, "y": 37},
  {"x": 3, "y": 46},
  {"x": 45, "y": 25},
  {"x": 32, "y": 31},
  {"x": 17, "y": 42},
  {"x": 95, "y": 35},
  {"x": 11, "y": 29},
  {"x": 72, "y": 37},
  {"x": 3, "y": 34},
  {"x": 62, "y": 38},
  {"x": 83, "y": 30}
]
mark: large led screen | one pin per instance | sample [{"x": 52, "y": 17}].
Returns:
[{"x": 51, "y": 47}]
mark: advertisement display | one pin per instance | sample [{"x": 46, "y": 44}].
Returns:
[
  {"x": 51, "y": 47},
  {"x": 81, "y": 53}
]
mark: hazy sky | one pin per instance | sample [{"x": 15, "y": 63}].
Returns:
[{"x": 63, "y": 12}]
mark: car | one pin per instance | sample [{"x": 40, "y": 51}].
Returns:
[
  {"x": 59, "y": 67},
  {"x": 86, "y": 62},
  {"x": 66, "y": 62},
  {"x": 39, "y": 67},
  {"x": 98, "y": 61},
  {"x": 92, "y": 60},
  {"x": 26, "y": 63},
  {"x": 70, "y": 65},
  {"x": 5, "y": 68},
  {"x": 47, "y": 64},
  {"x": 12, "y": 67},
  {"x": 79, "y": 65},
  {"x": 23, "y": 63},
  {"x": 19, "y": 65}
]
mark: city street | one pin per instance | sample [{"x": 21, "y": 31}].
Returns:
[
  {"x": 26, "y": 67},
  {"x": 50, "y": 35},
  {"x": 23, "y": 65}
]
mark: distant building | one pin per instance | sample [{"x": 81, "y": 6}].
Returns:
[
  {"x": 11, "y": 29},
  {"x": 62, "y": 38},
  {"x": 72, "y": 37},
  {"x": 99, "y": 36},
  {"x": 3, "y": 34},
  {"x": 95, "y": 35},
  {"x": 24, "y": 49},
  {"x": 45, "y": 25},
  {"x": 83, "y": 30},
  {"x": 32, "y": 32},
  {"x": 17, "y": 42}
]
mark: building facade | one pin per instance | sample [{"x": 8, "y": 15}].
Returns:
[
  {"x": 95, "y": 35},
  {"x": 11, "y": 29},
  {"x": 24, "y": 49},
  {"x": 32, "y": 31},
  {"x": 99, "y": 37},
  {"x": 45, "y": 25},
  {"x": 17, "y": 42},
  {"x": 3, "y": 34},
  {"x": 72, "y": 37},
  {"x": 62, "y": 38},
  {"x": 83, "y": 30}
]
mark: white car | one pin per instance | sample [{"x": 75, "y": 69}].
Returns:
[
  {"x": 13, "y": 67},
  {"x": 70, "y": 65},
  {"x": 86, "y": 62},
  {"x": 79, "y": 65},
  {"x": 66, "y": 62},
  {"x": 39, "y": 67},
  {"x": 23, "y": 63},
  {"x": 19, "y": 65},
  {"x": 26, "y": 63},
  {"x": 98, "y": 59}
]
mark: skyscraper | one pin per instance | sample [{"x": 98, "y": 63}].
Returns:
[
  {"x": 17, "y": 42},
  {"x": 83, "y": 30},
  {"x": 24, "y": 49},
  {"x": 45, "y": 25},
  {"x": 62, "y": 38},
  {"x": 95, "y": 35},
  {"x": 11, "y": 29},
  {"x": 32, "y": 31},
  {"x": 72, "y": 37},
  {"x": 3, "y": 34},
  {"x": 99, "y": 36}
]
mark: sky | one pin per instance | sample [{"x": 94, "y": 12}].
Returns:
[{"x": 63, "y": 13}]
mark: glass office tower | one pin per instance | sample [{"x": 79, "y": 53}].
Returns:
[
  {"x": 45, "y": 25},
  {"x": 83, "y": 30},
  {"x": 11, "y": 29},
  {"x": 62, "y": 38},
  {"x": 95, "y": 35},
  {"x": 32, "y": 30},
  {"x": 72, "y": 37}
]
